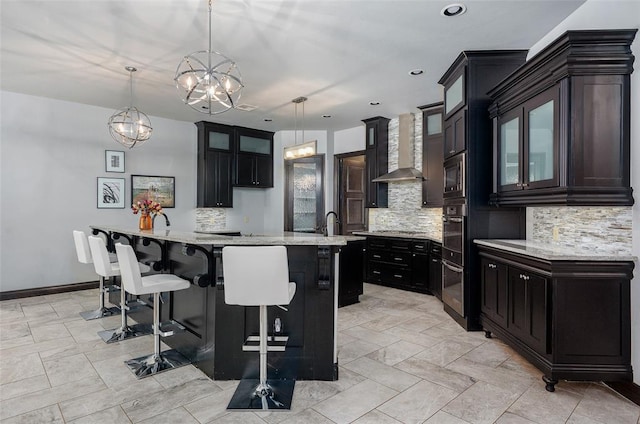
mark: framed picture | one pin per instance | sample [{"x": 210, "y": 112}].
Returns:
[
  {"x": 159, "y": 189},
  {"x": 110, "y": 193},
  {"x": 113, "y": 161}
]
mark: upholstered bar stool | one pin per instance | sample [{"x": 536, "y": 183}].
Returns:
[
  {"x": 259, "y": 276},
  {"x": 135, "y": 283},
  {"x": 106, "y": 269},
  {"x": 84, "y": 256}
]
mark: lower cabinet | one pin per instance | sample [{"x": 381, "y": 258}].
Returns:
[
  {"x": 571, "y": 319},
  {"x": 435, "y": 269},
  {"x": 351, "y": 274},
  {"x": 402, "y": 263}
]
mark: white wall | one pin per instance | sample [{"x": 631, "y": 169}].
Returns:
[
  {"x": 349, "y": 140},
  {"x": 598, "y": 14},
  {"x": 51, "y": 153}
]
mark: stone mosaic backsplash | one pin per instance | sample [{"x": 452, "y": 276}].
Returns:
[
  {"x": 606, "y": 229},
  {"x": 211, "y": 219},
  {"x": 405, "y": 212}
]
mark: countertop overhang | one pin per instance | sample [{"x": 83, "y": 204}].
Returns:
[
  {"x": 398, "y": 234},
  {"x": 553, "y": 252},
  {"x": 192, "y": 237}
]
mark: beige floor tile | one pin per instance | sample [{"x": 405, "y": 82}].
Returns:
[
  {"x": 49, "y": 332},
  {"x": 509, "y": 418},
  {"x": 445, "y": 352},
  {"x": 543, "y": 407},
  {"x": 384, "y": 322},
  {"x": 210, "y": 407},
  {"x": 49, "y": 414},
  {"x": 376, "y": 417},
  {"x": 412, "y": 336},
  {"x": 442, "y": 417},
  {"x": 308, "y": 416},
  {"x": 177, "y": 415},
  {"x": 305, "y": 395},
  {"x": 69, "y": 369},
  {"x": 355, "y": 350},
  {"x": 418, "y": 403},
  {"x": 24, "y": 386},
  {"x": 489, "y": 354},
  {"x": 371, "y": 336},
  {"x": 10, "y": 311},
  {"x": 238, "y": 418},
  {"x": 481, "y": 403},
  {"x": 509, "y": 380},
  {"x": 602, "y": 404},
  {"x": 436, "y": 374},
  {"x": 113, "y": 415},
  {"x": 384, "y": 374},
  {"x": 396, "y": 352},
  {"x": 354, "y": 402},
  {"x": 15, "y": 368},
  {"x": 14, "y": 330}
]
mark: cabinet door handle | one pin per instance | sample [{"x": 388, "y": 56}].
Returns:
[
  {"x": 524, "y": 277},
  {"x": 376, "y": 272},
  {"x": 435, "y": 260},
  {"x": 444, "y": 218},
  {"x": 398, "y": 259},
  {"x": 397, "y": 275},
  {"x": 518, "y": 184},
  {"x": 492, "y": 266},
  {"x": 452, "y": 268},
  {"x": 376, "y": 256},
  {"x": 525, "y": 184},
  {"x": 456, "y": 220},
  {"x": 452, "y": 151}
]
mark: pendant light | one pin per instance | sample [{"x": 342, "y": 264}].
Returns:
[
  {"x": 304, "y": 149},
  {"x": 208, "y": 81},
  {"x": 129, "y": 126}
]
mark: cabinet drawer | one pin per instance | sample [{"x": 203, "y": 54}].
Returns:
[
  {"x": 397, "y": 276},
  {"x": 400, "y": 245},
  {"x": 420, "y": 246},
  {"x": 374, "y": 272},
  {"x": 390, "y": 257},
  {"x": 376, "y": 243}
]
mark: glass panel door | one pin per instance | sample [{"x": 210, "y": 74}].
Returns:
[
  {"x": 454, "y": 95},
  {"x": 541, "y": 149},
  {"x": 304, "y": 199},
  {"x": 255, "y": 145},
  {"x": 510, "y": 152}
]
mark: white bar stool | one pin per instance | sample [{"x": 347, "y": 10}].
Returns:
[
  {"x": 106, "y": 269},
  {"x": 259, "y": 276},
  {"x": 84, "y": 256},
  {"x": 135, "y": 283}
]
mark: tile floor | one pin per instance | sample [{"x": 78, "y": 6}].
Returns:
[{"x": 402, "y": 360}]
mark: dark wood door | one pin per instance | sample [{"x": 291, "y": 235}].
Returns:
[
  {"x": 528, "y": 308},
  {"x": 218, "y": 191},
  {"x": 264, "y": 171},
  {"x": 245, "y": 175},
  {"x": 493, "y": 287},
  {"x": 435, "y": 270},
  {"x": 352, "y": 194},
  {"x": 455, "y": 133}
]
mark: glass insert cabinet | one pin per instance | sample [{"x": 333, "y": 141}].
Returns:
[{"x": 304, "y": 196}]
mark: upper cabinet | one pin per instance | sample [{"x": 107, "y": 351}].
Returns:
[
  {"x": 254, "y": 158},
  {"x": 432, "y": 138},
  {"x": 215, "y": 164},
  {"x": 376, "y": 156},
  {"x": 562, "y": 124}
]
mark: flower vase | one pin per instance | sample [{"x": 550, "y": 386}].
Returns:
[{"x": 146, "y": 222}]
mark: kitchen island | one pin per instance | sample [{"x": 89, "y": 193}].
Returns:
[{"x": 215, "y": 331}]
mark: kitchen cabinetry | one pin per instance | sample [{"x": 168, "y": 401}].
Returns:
[
  {"x": 432, "y": 148},
  {"x": 570, "y": 318},
  {"x": 435, "y": 269},
  {"x": 215, "y": 164},
  {"x": 403, "y": 263},
  {"x": 351, "y": 274},
  {"x": 376, "y": 157},
  {"x": 562, "y": 124},
  {"x": 467, "y": 171},
  {"x": 254, "y": 158}
]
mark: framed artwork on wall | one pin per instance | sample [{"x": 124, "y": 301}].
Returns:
[
  {"x": 111, "y": 193},
  {"x": 149, "y": 187},
  {"x": 114, "y": 161}
]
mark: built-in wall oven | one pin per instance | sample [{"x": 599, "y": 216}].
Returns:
[{"x": 453, "y": 242}]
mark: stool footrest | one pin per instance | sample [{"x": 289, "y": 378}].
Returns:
[
  {"x": 274, "y": 344},
  {"x": 169, "y": 328}
]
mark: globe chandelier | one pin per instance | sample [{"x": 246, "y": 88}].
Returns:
[
  {"x": 208, "y": 81},
  {"x": 129, "y": 126}
]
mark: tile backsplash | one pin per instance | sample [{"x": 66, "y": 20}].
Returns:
[
  {"x": 211, "y": 219},
  {"x": 601, "y": 228},
  {"x": 405, "y": 212}
]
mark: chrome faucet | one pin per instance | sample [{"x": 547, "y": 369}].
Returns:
[
  {"x": 325, "y": 229},
  {"x": 166, "y": 219}
]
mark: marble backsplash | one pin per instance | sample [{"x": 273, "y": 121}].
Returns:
[
  {"x": 606, "y": 229},
  {"x": 211, "y": 219}
]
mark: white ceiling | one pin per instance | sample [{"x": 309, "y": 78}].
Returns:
[{"x": 340, "y": 54}]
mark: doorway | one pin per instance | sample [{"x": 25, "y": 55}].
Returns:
[
  {"x": 304, "y": 194},
  {"x": 350, "y": 192}
]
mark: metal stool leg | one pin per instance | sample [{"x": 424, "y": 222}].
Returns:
[
  {"x": 102, "y": 311},
  {"x": 158, "y": 361},
  {"x": 125, "y": 331}
]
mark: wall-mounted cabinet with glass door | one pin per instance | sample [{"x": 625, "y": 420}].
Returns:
[
  {"x": 254, "y": 158},
  {"x": 215, "y": 165}
]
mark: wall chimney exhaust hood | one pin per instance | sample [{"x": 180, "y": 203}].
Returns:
[{"x": 406, "y": 164}]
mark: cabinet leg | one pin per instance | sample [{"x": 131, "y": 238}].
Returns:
[
  {"x": 487, "y": 334},
  {"x": 550, "y": 383}
]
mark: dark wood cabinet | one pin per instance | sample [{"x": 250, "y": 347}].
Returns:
[
  {"x": 254, "y": 158},
  {"x": 435, "y": 269},
  {"x": 376, "y": 158},
  {"x": 420, "y": 266},
  {"x": 455, "y": 134},
  {"x": 351, "y": 272},
  {"x": 562, "y": 124},
  {"x": 432, "y": 155},
  {"x": 215, "y": 165},
  {"x": 570, "y": 318}
]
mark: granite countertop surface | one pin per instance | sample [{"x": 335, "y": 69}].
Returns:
[
  {"x": 401, "y": 234},
  {"x": 556, "y": 252},
  {"x": 192, "y": 237}
]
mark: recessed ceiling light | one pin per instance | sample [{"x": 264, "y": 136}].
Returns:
[
  {"x": 453, "y": 10},
  {"x": 374, "y": 103},
  {"x": 268, "y": 120},
  {"x": 326, "y": 116},
  {"x": 415, "y": 72}
]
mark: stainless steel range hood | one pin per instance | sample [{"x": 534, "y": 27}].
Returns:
[{"x": 406, "y": 164}]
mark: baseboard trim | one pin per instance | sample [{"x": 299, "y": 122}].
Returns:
[
  {"x": 41, "y": 291},
  {"x": 628, "y": 389}
]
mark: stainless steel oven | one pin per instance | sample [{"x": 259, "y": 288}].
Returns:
[
  {"x": 453, "y": 261},
  {"x": 454, "y": 184}
]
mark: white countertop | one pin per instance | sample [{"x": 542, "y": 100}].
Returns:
[
  {"x": 192, "y": 237},
  {"x": 554, "y": 252}
]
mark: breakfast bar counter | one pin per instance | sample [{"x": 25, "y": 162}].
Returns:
[{"x": 215, "y": 331}]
